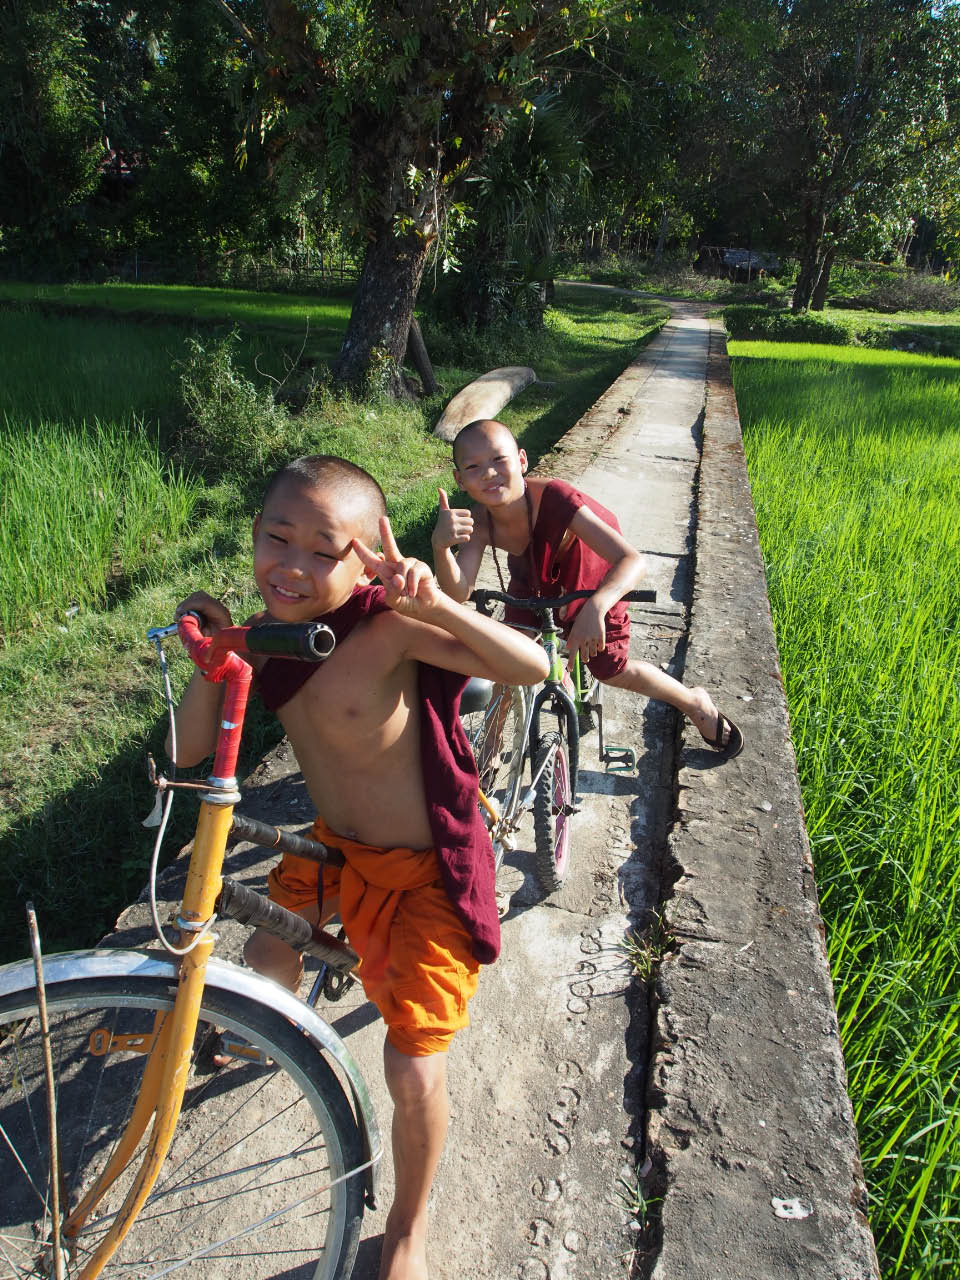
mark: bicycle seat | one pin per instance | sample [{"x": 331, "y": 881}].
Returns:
[{"x": 476, "y": 694}]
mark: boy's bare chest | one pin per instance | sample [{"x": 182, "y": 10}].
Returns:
[{"x": 351, "y": 702}]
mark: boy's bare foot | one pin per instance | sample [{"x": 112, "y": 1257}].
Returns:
[{"x": 404, "y": 1255}]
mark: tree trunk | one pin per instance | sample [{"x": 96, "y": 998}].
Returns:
[
  {"x": 819, "y": 297},
  {"x": 417, "y": 351},
  {"x": 376, "y": 337},
  {"x": 811, "y": 261},
  {"x": 662, "y": 237}
]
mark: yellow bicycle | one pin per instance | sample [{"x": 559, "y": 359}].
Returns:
[{"x": 150, "y": 1162}]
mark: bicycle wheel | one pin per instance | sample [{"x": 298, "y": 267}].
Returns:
[
  {"x": 497, "y": 736},
  {"x": 251, "y": 1143},
  {"x": 551, "y": 818}
]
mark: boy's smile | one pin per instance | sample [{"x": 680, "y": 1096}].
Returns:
[
  {"x": 303, "y": 560},
  {"x": 490, "y": 467}
]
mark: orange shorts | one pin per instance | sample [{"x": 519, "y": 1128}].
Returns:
[{"x": 416, "y": 959}]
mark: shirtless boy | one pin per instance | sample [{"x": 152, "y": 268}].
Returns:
[
  {"x": 558, "y": 539},
  {"x": 417, "y": 893}
]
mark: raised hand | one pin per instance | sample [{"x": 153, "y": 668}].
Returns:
[
  {"x": 454, "y": 524},
  {"x": 410, "y": 586}
]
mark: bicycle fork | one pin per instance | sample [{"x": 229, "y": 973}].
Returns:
[{"x": 165, "y": 1077}]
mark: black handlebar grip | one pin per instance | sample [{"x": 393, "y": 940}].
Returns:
[
  {"x": 245, "y": 905},
  {"x": 311, "y": 641},
  {"x": 274, "y": 838}
]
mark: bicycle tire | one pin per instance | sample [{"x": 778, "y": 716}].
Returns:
[
  {"x": 302, "y": 1134},
  {"x": 551, "y": 820},
  {"x": 497, "y": 736}
]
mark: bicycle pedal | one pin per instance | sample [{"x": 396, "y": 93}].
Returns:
[
  {"x": 336, "y": 984},
  {"x": 234, "y": 1047},
  {"x": 620, "y": 759}
]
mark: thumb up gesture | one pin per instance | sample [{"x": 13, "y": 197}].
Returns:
[{"x": 454, "y": 524}]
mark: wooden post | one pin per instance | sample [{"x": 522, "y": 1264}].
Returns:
[{"x": 417, "y": 354}]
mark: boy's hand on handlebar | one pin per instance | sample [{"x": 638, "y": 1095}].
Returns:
[
  {"x": 588, "y": 635},
  {"x": 409, "y": 583},
  {"x": 215, "y": 615},
  {"x": 454, "y": 524}
]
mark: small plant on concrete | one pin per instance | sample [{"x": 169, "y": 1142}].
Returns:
[
  {"x": 645, "y": 948},
  {"x": 631, "y": 1191}
]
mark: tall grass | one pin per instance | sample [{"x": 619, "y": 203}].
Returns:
[
  {"x": 855, "y": 470},
  {"x": 81, "y": 508}
]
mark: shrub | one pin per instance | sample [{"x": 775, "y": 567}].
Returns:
[
  {"x": 904, "y": 291},
  {"x": 751, "y": 320},
  {"x": 232, "y": 425}
]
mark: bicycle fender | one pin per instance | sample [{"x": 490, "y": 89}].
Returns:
[{"x": 20, "y": 977}]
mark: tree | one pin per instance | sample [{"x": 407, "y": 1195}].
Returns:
[
  {"x": 851, "y": 105},
  {"x": 516, "y": 197},
  {"x": 389, "y": 104},
  {"x": 51, "y": 146}
]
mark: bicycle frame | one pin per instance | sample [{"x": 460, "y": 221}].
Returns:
[{"x": 563, "y": 703}]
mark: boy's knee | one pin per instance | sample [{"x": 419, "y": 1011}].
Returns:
[
  {"x": 273, "y": 958},
  {"x": 413, "y": 1081}
]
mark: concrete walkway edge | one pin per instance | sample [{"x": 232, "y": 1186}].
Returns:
[{"x": 747, "y": 1092}]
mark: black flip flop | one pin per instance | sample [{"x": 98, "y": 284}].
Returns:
[{"x": 734, "y": 743}]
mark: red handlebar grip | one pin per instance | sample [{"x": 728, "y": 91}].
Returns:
[{"x": 219, "y": 664}]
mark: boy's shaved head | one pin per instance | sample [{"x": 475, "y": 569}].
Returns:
[
  {"x": 490, "y": 427},
  {"x": 356, "y": 487}
]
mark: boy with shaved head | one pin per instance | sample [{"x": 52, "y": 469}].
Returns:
[
  {"x": 557, "y": 540},
  {"x": 378, "y": 739}
]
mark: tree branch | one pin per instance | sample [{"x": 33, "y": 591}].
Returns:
[{"x": 241, "y": 28}]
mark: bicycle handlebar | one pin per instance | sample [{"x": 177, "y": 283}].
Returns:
[
  {"x": 308, "y": 641},
  {"x": 483, "y": 598}
]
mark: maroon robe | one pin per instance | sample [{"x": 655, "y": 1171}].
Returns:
[{"x": 578, "y": 568}]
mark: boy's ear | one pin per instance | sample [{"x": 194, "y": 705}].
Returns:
[
  {"x": 521, "y": 454},
  {"x": 256, "y": 526}
]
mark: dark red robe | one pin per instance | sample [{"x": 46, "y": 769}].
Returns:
[{"x": 577, "y": 568}]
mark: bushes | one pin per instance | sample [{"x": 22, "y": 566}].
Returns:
[
  {"x": 752, "y": 320},
  {"x": 833, "y": 329},
  {"x": 902, "y": 291},
  {"x": 232, "y": 425}
]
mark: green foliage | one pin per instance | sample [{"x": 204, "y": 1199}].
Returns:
[
  {"x": 672, "y": 278},
  {"x": 900, "y": 290},
  {"x": 841, "y": 327},
  {"x": 855, "y": 470},
  {"x": 753, "y": 320},
  {"x": 232, "y": 425},
  {"x": 49, "y": 133},
  {"x": 83, "y": 510}
]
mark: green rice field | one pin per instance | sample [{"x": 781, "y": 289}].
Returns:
[{"x": 854, "y": 460}]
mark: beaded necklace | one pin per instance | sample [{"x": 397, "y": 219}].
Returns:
[{"x": 491, "y": 537}]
